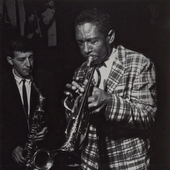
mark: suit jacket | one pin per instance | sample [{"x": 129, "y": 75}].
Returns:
[
  {"x": 118, "y": 137},
  {"x": 14, "y": 126}
]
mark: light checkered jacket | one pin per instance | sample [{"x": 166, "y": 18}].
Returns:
[{"x": 118, "y": 138}]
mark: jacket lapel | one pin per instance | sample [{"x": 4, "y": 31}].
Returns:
[
  {"x": 33, "y": 101},
  {"x": 15, "y": 102},
  {"x": 116, "y": 72},
  {"x": 15, "y": 93},
  {"x": 114, "y": 76}
]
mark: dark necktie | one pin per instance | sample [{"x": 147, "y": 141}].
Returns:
[{"x": 25, "y": 96}]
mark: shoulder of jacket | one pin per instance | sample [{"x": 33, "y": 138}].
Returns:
[
  {"x": 7, "y": 76},
  {"x": 128, "y": 56}
]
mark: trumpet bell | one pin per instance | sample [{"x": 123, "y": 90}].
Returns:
[
  {"x": 55, "y": 160},
  {"x": 43, "y": 160}
]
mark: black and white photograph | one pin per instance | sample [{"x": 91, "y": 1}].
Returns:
[{"x": 84, "y": 85}]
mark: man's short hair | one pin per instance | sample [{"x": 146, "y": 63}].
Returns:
[
  {"x": 21, "y": 44},
  {"x": 96, "y": 16}
]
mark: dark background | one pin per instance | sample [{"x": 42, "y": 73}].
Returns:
[{"x": 140, "y": 25}]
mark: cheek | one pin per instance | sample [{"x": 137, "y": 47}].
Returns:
[
  {"x": 31, "y": 62},
  {"x": 82, "y": 53},
  {"x": 101, "y": 50},
  {"x": 16, "y": 65},
  {"x": 19, "y": 67}
]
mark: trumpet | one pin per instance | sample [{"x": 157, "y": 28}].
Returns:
[{"x": 78, "y": 124}]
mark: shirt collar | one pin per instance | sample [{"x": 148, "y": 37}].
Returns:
[{"x": 111, "y": 58}]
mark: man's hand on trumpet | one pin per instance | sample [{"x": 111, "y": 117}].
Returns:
[
  {"x": 75, "y": 88},
  {"x": 96, "y": 101}
]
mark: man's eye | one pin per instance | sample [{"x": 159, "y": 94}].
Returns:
[
  {"x": 94, "y": 41},
  {"x": 31, "y": 57},
  {"x": 80, "y": 43},
  {"x": 21, "y": 59}
]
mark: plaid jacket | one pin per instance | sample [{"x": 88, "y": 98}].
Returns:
[{"x": 118, "y": 138}]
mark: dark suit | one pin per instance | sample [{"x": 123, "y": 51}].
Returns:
[{"x": 14, "y": 121}]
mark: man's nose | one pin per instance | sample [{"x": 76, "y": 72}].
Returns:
[
  {"x": 28, "y": 63},
  {"x": 87, "y": 48}
]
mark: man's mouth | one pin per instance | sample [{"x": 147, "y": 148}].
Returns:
[
  {"x": 93, "y": 57},
  {"x": 95, "y": 60},
  {"x": 28, "y": 70}
]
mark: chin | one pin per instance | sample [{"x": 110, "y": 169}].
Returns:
[{"x": 26, "y": 76}]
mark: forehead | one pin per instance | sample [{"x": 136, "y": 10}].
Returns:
[
  {"x": 19, "y": 54},
  {"x": 87, "y": 30}
]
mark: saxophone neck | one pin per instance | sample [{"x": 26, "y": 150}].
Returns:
[{"x": 41, "y": 97}]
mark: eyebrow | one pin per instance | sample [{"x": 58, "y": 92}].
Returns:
[
  {"x": 23, "y": 57},
  {"x": 88, "y": 39}
]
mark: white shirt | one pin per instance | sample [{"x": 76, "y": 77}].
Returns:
[
  {"x": 19, "y": 83},
  {"x": 105, "y": 70}
]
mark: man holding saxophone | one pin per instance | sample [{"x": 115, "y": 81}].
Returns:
[
  {"x": 122, "y": 107},
  {"x": 26, "y": 94}
]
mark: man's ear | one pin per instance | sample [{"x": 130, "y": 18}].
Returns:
[
  {"x": 111, "y": 36},
  {"x": 9, "y": 59}
]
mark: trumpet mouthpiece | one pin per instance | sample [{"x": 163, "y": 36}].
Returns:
[{"x": 90, "y": 59}]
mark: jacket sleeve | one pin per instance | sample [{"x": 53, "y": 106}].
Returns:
[{"x": 137, "y": 110}]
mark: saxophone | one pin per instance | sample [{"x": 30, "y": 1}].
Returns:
[{"x": 37, "y": 120}]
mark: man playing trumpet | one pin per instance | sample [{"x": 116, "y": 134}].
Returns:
[{"x": 123, "y": 107}]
